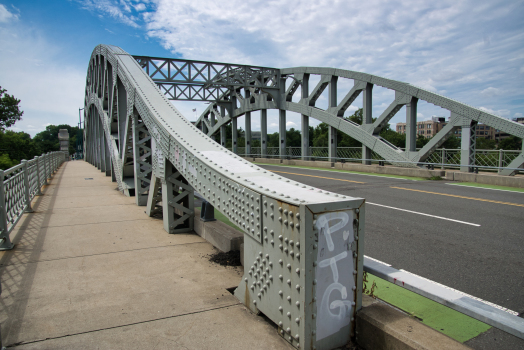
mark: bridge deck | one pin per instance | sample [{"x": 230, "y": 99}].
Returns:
[{"x": 91, "y": 270}]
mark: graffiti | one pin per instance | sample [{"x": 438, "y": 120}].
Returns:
[{"x": 334, "y": 272}]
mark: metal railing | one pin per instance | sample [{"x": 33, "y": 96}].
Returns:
[
  {"x": 486, "y": 159},
  {"x": 18, "y": 186}
]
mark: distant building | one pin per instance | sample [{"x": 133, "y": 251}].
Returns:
[
  {"x": 429, "y": 128},
  {"x": 426, "y": 128}
]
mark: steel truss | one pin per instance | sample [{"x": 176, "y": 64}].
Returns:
[
  {"x": 244, "y": 100},
  {"x": 305, "y": 245}
]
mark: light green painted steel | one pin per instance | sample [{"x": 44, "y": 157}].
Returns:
[
  {"x": 405, "y": 95},
  {"x": 18, "y": 186},
  {"x": 305, "y": 244}
]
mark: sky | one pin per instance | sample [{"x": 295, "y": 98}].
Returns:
[{"x": 470, "y": 51}]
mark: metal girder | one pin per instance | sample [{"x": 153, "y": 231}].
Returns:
[
  {"x": 205, "y": 81},
  {"x": 309, "y": 241},
  {"x": 142, "y": 159}
]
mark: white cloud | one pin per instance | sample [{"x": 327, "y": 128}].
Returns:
[
  {"x": 518, "y": 115},
  {"x": 50, "y": 91},
  {"x": 491, "y": 92},
  {"x": 291, "y": 125},
  {"x": 119, "y": 10},
  {"x": 522, "y": 69},
  {"x": 500, "y": 112},
  {"x": 5, "y": 15}
]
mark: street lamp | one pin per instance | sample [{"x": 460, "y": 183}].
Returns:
[{"x": 79, "y": 136}]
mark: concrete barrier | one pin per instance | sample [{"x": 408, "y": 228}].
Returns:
[
  {"x": 488, "y": 179},
  {"x": 220, "y": 235},
  {"x": 381, "y": 327},
  {"x": 389, "y": 170}
]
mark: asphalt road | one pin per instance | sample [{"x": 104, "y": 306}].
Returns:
[{"x": 472, "y": 240}]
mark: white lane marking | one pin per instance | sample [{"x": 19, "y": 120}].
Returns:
[
  {"x": 432, "y": 216},
  {"x": 340, "y": 172},
  {"x": 452, "y": 289},
  {"x": 486, "y": 188}
]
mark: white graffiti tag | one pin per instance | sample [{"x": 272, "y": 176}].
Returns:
[{"x": 332, "y": 288}]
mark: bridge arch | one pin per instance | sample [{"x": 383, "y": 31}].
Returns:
[
  {"x": 246, "y": 100},
  {"x": 134, "y": 134}
]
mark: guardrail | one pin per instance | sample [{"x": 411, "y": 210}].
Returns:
[
  {"x": 488, "y": 160},
  {"x": 494, "y": 315},
  {"x": 18, "y": 186}
]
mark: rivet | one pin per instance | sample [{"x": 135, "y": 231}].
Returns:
[
  {"x": 354, "y": 272},
  {"x": 297, "y": 286},
  {"x": 280, "y": 308},
  {"x": 280, "y": 237},
  {"x": 280, "y": 324},
  {"x": 281, "y": 278},
  {"x": 289, "y": 266},
  {"x": 289, "y": 282},
  {"x": 280, "y": 261},
  {"x": 297, "y": 271},
  {"x": 280, "y": 209},
  {"x": 297, "y": 303},
  {"x": 314, "y": 281},
  {"x": 289, "y": 298},
  {"x": 314, "y": 315},
  {"x": 285, "y": 212},
  {"x": 297, "y": 320},
  {"x": 254, "y": 302},
  {"x": 280, "y": 293},
  {"x": 289, "y": 315}
]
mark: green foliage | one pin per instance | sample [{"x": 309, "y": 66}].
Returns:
[
  {"x": 511, "y": 142},
  {"x": 15, "y": 146},
  {"x": 483, "y": 143},
  {"x": 452, "y": 142},
  {"x": 10, "y": 112},
  {"x": 6, "y": 162}
]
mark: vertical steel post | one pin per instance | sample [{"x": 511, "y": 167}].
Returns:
[
  {"x": 25, "y": 171},
  {"x": 44, "y": 156},
  {"x": 234, "y": 135},
  {"x": 500, "y": 160},
  {"x": 263, "y": 133},
  {"x": 443, "y": 158},
  {"x": 367, "y": 118},
  {"x": 305, "y": 120},
  {"x": 332, "y": 132},
  {"x": 248, "y": 133},
  {"x": 4, "y": 234},
  {"x": 282, "y": 132},
  {"x": 38, "y": 181},
  {"x": 411, "y": 126}
]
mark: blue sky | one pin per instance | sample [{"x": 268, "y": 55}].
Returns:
[{"x": 470, "y": 51}]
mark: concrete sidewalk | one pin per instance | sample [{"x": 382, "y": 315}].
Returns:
[{"x": 91, "y": 271}]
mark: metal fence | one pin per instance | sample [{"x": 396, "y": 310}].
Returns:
[
  {"x": 445, "y": 158},
  {"x": 18, "y": 186}
]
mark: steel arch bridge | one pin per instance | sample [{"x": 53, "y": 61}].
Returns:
[
  {"x": 303, "y": 247},
  {"x": 234, "y": 93}
]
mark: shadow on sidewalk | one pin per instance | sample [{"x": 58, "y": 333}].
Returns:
[{"x": 18, "y": 266}]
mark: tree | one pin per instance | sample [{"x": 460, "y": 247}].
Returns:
[
  {"x": 10, "y": 112},
  {"x": 511, "y": 142}
]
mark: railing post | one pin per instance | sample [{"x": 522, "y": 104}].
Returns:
[
  {"x": 501, "y": 151},
  {"x": 443, "y": 158},
  {"x": 5, "y": 242},
  {"x": 45, "y": 168},
  {"x": 38, "y": 183},
  {"x": 27, "y": 191}
]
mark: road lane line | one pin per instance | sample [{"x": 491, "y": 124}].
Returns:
[
  {"x": 321, "y": 177},
  {"x": 456, "y": 196},
  {"x": 486, "y": 188},
  {"x": 432, "y": 216}
]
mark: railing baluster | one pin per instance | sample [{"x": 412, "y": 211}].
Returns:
[
  {"x": 5, "y": 242},
  {"x": 25, "y": 171}
]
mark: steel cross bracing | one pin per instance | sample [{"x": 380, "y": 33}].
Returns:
[
  {"x": 188, "y": 80},
  {"x": 303, "y": 246},
  {"x": 246, "y": 100}
]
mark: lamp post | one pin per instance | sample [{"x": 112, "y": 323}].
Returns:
[{"x": 80, "y": 137}]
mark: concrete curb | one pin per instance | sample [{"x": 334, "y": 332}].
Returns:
[
  {"x": 380, "y": 326},
  {"x": 450, "y": 175},
  {"x": 220, "y": 235}
]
